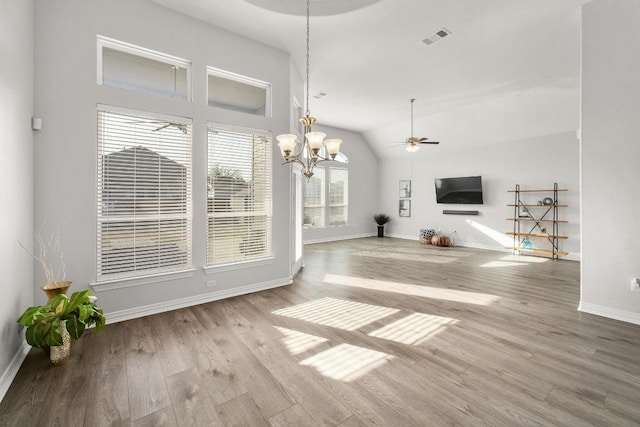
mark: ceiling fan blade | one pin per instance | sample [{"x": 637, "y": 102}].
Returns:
[{"x": 430, "y": 142}]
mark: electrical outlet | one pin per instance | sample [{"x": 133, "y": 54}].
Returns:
[
  {"x": 211, "y": 283},
  {"x": 635, "y": 284}
]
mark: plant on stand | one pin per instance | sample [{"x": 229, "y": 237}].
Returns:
[
  {"x": 381, "y": 219},
  {"x": 52, "y": 326}
]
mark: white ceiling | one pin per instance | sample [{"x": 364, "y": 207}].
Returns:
[{"x": 370, "y": 60}]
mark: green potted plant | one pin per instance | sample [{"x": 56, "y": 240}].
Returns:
[
  {"x": 381, "y": 219},
  {"x": 51, "y": 326}
]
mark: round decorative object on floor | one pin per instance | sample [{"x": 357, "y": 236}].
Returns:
[
  {"x": 440, "y": 240},
  {"x": 426, "y": 234}
]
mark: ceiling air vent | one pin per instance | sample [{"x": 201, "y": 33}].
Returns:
[{"x": 439, "y": 35}]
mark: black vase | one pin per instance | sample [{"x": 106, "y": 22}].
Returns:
[{"x": 381, "y": 231}]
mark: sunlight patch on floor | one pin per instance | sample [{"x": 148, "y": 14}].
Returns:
[
  {"x": 514, "y": 261},
  {"x": 341, "y": 314},
  {"x": 414, "y": 329},
  {"x": 414, "y": 290},
  {"x": 346, "y": 362},
  {"x": 525, "y": 259},
  {"x": 298, "y": 342},
  {"x": 419, "y": 257}
]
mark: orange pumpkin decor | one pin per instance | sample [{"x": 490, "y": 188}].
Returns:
[{"x": 440, "y": 240}]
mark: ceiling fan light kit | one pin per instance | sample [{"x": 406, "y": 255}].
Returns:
[
  {"x": 314, "y": 148},
  {"x": 412, "y": 142}
]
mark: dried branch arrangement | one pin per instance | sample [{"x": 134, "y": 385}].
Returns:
[{"x": 49, "y": 257}]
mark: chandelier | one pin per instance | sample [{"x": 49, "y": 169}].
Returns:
[{"x": 314, "y": 148}]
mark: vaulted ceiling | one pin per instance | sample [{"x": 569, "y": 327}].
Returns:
[{"x": 368, "y": 56}]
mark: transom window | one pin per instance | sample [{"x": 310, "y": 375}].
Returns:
[
  {"x": 126, "y": 66},
  {"x": 238, "y": 93}
]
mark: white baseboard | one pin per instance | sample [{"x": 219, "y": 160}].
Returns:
[
  {"x": 335, "y": 239},
  {"x": 611, "y": 313},
  {"x": 12, "y": 370},
  {"x": 147, "y": 310}
]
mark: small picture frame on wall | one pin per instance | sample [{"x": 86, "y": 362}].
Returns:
[
  {"x": 405, "y": 189},
  {"x": 404, "y": 208}
]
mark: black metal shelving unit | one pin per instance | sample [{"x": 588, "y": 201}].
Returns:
[{"x": 530, "y": 220}]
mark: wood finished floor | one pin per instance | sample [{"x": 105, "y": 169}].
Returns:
[{"x": 374, "y": 332}]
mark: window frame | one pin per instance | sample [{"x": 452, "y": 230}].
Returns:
[
  {"x": 102, "y": 42},
  {"x": 268, "y": 257},
  {"x": 326, "y": 202},
  {"x": 345, "y": 204},
  {"x": 323, "y": 203},
  {"x": 239, "y": 78},
  {"x": 158, "y": 274}
]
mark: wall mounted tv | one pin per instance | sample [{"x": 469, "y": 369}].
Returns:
[{"x": 465, "y": 190}]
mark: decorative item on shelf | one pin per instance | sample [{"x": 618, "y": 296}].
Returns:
[
  {"x": 52, "y": 326},
  {"x": 426, "y": 234},
  {"x": 547, "y": 201},
  {"x": 314, "y": 148},
  {"x": 381, "y": 219},
  {"x": 526, "y": 244},
  {"x": 524, "y": 213},
  {"x": 539, "y": 202},
  {"x": 441, "y": 240},
  {"x": 543, "y": 230}
]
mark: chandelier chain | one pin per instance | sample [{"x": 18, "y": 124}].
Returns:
[{"x": 308, "y": 13}]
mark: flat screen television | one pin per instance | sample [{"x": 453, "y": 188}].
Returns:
[{"x": 465, "y": 190}]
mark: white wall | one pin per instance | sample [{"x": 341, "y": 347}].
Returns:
[
  {"x": 534, "y": 163},
  {"x": 610, "y": 153},
  {"x": 65, "y": 157},
  {"x": 16, "y": 178},
  {"x": 363, "y": 190}
]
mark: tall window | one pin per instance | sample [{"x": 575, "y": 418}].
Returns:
[
  {"x": 326, "y": 198},
  {"x": 314, "y": 211},
  {"x": 238, "y": 195},
  {"x": 144, "y": 194},
  {"x": 338, "y": 196}
]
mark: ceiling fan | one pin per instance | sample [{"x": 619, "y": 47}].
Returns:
[{"x": 413, "y": 142}]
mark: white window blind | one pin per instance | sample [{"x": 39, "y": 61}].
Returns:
[
  {"x": 338, "y": 196},
  {"x": 314, "y": 189},
  {"x": 238, "y": 195},
  {"x": 143, "y": 194}
]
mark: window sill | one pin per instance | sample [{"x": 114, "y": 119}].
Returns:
[
  {"x": 130, "y": 282},
  {"x": 237, "y": 265}
]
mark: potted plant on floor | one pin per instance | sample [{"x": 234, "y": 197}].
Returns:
[
  {"x": 381, "y": 219},
  {"x": 52, "y": 326}
]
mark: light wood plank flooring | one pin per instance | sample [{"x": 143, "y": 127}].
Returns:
[{"x": 374, "y": 332}]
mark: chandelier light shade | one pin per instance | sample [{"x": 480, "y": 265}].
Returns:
[
  {"x": 314, "y": 149},
  {"x": 412, "y": 148}
]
